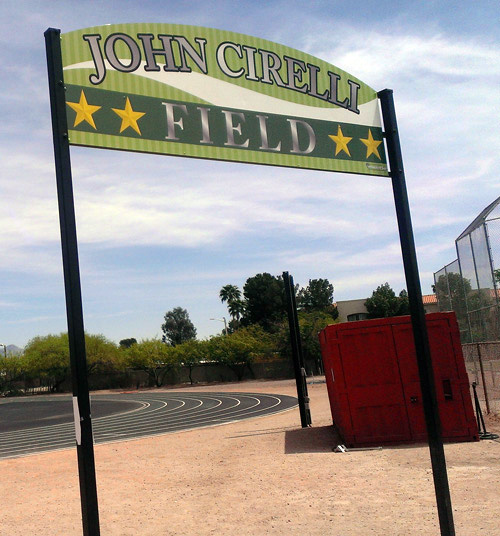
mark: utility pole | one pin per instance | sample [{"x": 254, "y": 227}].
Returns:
[{"x": 223, "y": 319}]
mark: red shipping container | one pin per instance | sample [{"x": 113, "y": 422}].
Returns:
[{"x": 373, "y": 383}]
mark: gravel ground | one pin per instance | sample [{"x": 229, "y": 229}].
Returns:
[{"x": 255, "y": 477}]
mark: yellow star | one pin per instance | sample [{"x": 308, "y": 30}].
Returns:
[
  {"x": 341, "y": 142},
  {"x": 84, "y": 111},
  {"x": 371, "y": 145},
  {"x": 129, "y": 117}
]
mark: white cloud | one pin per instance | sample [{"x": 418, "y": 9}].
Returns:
[
  {"x": 377, "y": 58},
  {"x": 387, "y": 255},
  {"x": 4, "y": 303},
  {"x": 446, "y": 94},
  {"x": 35, "y": 319},
  {"x": 128, "y": 206},
  {"x": 446, "y": 86},
  {"x": 361, "y": 285}
]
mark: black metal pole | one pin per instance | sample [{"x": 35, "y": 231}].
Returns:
[
  {"x": 74, "y": 309},
  {"x": 479, "y": 414},
  {"x": 483, "y": 378},
  {"x": 298, "y": 339},
  {"x": 425, "y": 368},
  {"x": 298, "y": 365}
]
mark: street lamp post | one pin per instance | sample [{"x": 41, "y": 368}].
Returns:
[{"x": 223, "y": 319}]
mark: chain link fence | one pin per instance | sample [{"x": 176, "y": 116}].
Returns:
[
  {"x": 482, "y": 361},
  {"x": 469, "y": 285}
]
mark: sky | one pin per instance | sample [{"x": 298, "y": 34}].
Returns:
[{"x": 158, "y": 232}]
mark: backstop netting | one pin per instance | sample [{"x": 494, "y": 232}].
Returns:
[{"x": 469, "y": 285}]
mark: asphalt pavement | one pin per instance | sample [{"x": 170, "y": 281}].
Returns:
[{"x": 31, "y": 425}]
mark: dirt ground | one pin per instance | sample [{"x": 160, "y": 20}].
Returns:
[{"x": 255, "y": 477}]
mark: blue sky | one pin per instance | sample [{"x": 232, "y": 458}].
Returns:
[{"x": 158, "y": 232}]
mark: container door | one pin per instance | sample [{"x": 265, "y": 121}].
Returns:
[
  {"x": 376, "y": 400},
  {"x": 329, "y": 354},
  {"x": 448, "y": 388},
  {"x": 448, "y": 381},
  {"x": 403, "y": 338}
]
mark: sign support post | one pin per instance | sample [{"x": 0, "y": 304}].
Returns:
[
  {"x": 298, "y": 359},
  {"x": 424, "y": 361},
  {"x": 74, "y": 309}
]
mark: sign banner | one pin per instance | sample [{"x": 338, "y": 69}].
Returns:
[{"x": 205, "y": 93}]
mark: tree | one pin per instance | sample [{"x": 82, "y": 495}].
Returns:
[
  {"x": 317, "y": 296},
  {"x": 384, "y": 303},
  {"x": 153, "y": 357},
  {"x": 264, "y": 344},
  {"x": 48, "y": 358},
  {"x": 236, "y": 351},
  {"x": 264, "y": 301},
  {"x": 231, "y": 294},
  {"x": 455, "y": 293},
  {"x": 310, "y": 324},
  {"x": 102, "y": 354},
  {"x": 190, "y": 354},
  {"x": 12, "y": 369},
  {"x": 177, "y": 327},
  {"x": 404, "y": 303},
  {"x": 127, "y": 343}
]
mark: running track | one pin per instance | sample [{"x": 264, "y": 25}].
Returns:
[{"x": 40, "y": 424}]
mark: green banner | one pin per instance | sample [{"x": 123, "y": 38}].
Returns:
[{"x": 204, "y": 93}]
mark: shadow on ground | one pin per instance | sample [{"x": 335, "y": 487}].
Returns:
[{"x": 314, "y": 439}]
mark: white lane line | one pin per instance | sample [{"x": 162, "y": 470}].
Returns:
[
  {"x": 222, "y": 415},
  {"x": 195, "y": 417},
  {"x": 69, "y": 441},
  {"x": 132, "y": 421},
  {"x": 53, "y": 427},
  {"x": 201, "y": 427},
  {"x": 143, "y": 406},
  {"x": 198, "y": 411},
  {"x": 247, "y": 411},
  {"x": 139, "y": 425},
  {"x": 145, "y": 424},
  {"x": 68, "y": 432}
]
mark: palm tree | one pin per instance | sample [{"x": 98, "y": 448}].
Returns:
[
  {"x": 236, "y": 309},
  {"x": 231, "y": 294}
]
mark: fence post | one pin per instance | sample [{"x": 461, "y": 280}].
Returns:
[{"x": 483, "y": 380}]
